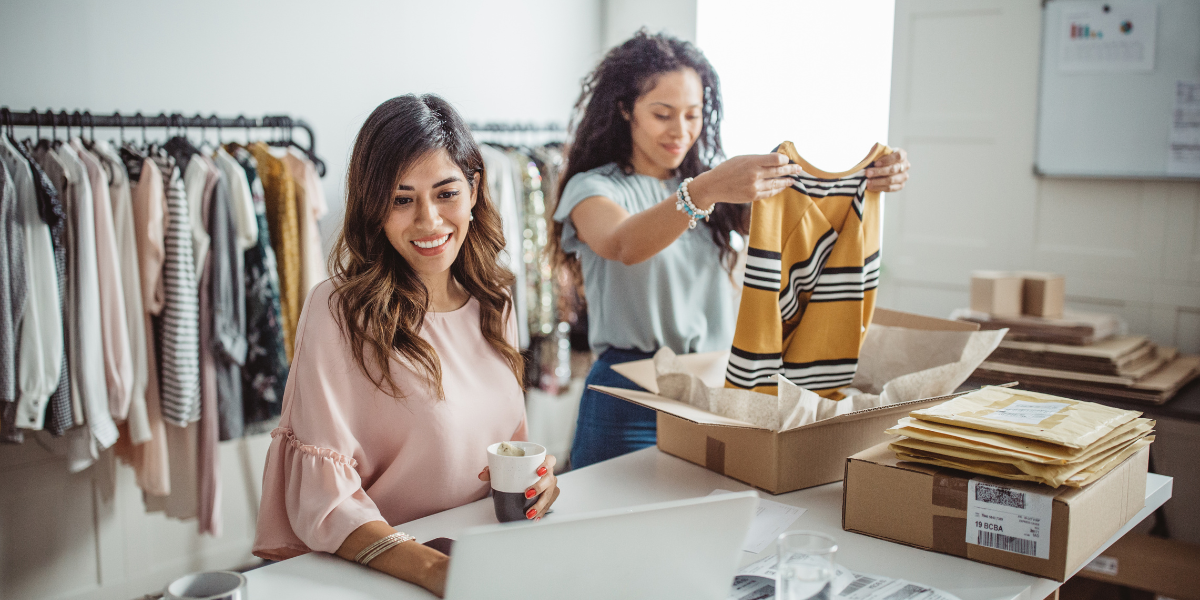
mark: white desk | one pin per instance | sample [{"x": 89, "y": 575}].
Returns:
[{"x": 652, "y": 476}]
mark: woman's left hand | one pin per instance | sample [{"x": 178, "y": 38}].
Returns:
[
  {"x": 889, "y": 172},
  {"x": 547, "y": 486}
]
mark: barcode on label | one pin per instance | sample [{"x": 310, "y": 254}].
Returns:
[
  {"x": 1007, "y": 543},
  {"x": 907, "y": 592},
  {"x": 857, "y": 584},
  {"x": 1000, "y": 496}
]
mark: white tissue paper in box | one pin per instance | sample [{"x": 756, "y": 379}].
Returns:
[{"x": 896, "y": 364}]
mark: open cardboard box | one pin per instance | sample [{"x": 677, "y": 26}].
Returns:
[{"x": 776, "y": 462}]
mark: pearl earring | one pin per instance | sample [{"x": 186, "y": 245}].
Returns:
[{"x": 472, "y": 217}]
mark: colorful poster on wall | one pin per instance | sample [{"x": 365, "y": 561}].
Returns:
[
  {"x": 1184, "y": 156},
  {"x": 1107, "y": 36}
]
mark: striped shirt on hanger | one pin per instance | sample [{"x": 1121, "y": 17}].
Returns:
[
  {"x": 812, "y": 269},
  {"x": 180, "y": 321}
]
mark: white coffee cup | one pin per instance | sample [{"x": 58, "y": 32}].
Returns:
[
  {"x": 211, "y": 585},
  {"x": 511, "y": 476}
]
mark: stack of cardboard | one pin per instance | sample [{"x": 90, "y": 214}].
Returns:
[
  {"x": 1024, "y": 436},
  {"x": 1080, "y": 354}
]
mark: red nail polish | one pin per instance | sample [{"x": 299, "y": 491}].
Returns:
[
  {"x": 541, "y": 471},
  {"x": 538, "y": 519},
  {"x": 529, "y": 493},
  {"x": 532, "y": 512}
]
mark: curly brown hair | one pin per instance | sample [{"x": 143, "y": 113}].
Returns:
[
  {"x": 601, "y": 134},
  {"x": 379, "y": 300}
]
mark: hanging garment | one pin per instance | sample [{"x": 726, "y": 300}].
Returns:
[
  {"x": 180, "y": 323},
  {"x": 118, "y": 361},
  {"x": 283, "y": 220},
  {"x": 266, "y": 369},
  {"x": 504, "y": 192},
  {"x": 241, "y": 199},
  {"x": 811, "y": 273},
  {"x": 149, "y": 460},
  {"x": 41, "y": 337},
  {"x": 60, "y": 417},
  {"x": 56, "y": 173},
  {"x": 12, "y": 303},
  {"x": 84, "y": 330},
  {"x": 195, "y": 178},
  {"x": 311, "y": 207},
  {"x": 209, "y": 485},
  {"x": 137, "y": 426},
  {"x": 228, "y": 293}
]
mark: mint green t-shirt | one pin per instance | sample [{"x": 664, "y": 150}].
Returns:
[{"x": 680, "y": 298}]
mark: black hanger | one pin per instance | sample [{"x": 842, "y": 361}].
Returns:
[
  {"x": 37, "y": 123},
  {"x": 6, "y": 115},
  {"x": 92, "y": 124}
]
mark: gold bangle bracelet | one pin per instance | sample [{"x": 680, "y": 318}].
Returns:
[{"x": 383, "y": 544}]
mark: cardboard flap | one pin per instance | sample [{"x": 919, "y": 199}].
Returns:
[
  {"x": 895, "y": 318},
  {"x": 708, "y": 366},
  {"x": 686, "y": 412}
]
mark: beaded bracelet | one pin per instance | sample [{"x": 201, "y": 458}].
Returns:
[
  {"x": 383, "y": 544},
  {"x": 683, "y": 204}
]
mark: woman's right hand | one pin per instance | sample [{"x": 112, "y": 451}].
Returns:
[{"x": 743, "y": 179}]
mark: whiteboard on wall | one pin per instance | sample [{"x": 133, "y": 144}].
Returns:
[{"x": 1120, "y": 89}]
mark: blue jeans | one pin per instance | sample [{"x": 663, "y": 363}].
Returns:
[{"x": 608, "y": 426}]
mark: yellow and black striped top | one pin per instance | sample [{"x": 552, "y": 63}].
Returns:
[{"x": 811, "y": 273}]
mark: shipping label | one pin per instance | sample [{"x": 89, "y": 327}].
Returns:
[
  {"x": 1013, "y": 518},
  {"x": 1029, "y": 413}
]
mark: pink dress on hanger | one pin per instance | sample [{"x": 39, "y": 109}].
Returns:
[{"x": 345, "y": 453}]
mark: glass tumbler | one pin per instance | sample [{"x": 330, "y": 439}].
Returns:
[{"x": 805, "y": 569}]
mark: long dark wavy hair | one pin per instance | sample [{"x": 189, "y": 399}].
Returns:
[
  {"x": 600, "y": 134},
  {"x": 379, "y": 300}
]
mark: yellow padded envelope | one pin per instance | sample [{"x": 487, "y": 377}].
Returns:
[
  {"x": 1030, "y": 415},
  {"x": 941, "y": 436}
]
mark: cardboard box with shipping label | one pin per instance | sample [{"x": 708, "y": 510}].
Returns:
[
  {"x": 792, "y": 459},
  {"x": 1026, "y": 527}
]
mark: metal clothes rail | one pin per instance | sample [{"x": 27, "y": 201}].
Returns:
[{"x": 283, "y": 124}]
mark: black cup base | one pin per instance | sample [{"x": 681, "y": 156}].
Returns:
[{"x": 512, "y": 507}]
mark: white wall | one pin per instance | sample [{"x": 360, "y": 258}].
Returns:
[
  {"x": 622, "y": 18},
  {"x": 329, "y": 63},
  {"x": 964, "y": 104},
  {"x": 86, "y": 535},
  {"x": 813, "y": 72}
]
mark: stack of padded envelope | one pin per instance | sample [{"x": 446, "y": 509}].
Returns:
[{"x": 1021, "y": 435}]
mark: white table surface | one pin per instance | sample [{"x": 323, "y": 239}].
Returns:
[{"x": 652, "y": 476}]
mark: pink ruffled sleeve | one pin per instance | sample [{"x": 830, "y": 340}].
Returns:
[{"x": 312, "y": 496}]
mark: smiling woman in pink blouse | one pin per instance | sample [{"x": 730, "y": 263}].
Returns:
[{"x": 406, "y": 366}]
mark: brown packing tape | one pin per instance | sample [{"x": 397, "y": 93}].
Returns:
[
  {"x": 714, "y": 455},
  {"x": 950, "y": 491},
  {"x": 950, "y": 535}
]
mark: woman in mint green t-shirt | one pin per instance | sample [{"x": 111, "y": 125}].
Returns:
[{"x": 655, "y": 273}]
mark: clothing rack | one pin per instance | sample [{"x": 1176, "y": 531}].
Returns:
[
  {"x": 522, "y": 134},
  {"x": 517, "y": 127},
  {"x": 85, "y": 119}
]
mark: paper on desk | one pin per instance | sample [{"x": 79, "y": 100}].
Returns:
[
  {"x": 896, "y": 364},
  {"x": 772, "y": 519},
  {"x": 756, "y": 581}
]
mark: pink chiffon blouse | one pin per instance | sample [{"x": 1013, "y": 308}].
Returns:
[{"x": 346, "y": 453}]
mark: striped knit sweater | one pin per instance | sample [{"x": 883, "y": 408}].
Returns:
[{"x": 811, "y": 273}]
